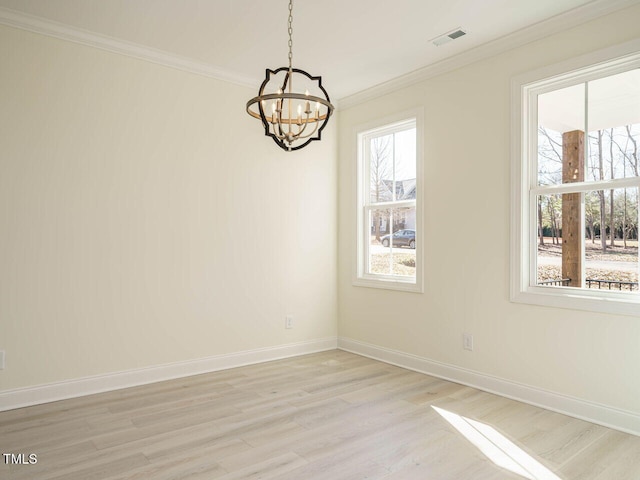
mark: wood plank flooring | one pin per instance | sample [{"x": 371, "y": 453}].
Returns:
[{"x": 326, "y": 416}]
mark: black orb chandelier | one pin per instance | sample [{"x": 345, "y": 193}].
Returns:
[{"x": 293, "y": 119}]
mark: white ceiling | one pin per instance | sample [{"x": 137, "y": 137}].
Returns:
[{"x": 353, "y": 44}]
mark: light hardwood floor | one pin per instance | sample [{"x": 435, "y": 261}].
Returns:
[{"x": 328, "y": 416}]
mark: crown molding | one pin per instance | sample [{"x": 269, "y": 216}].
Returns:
[
  {"x": 62, "y": 31},
  {"x": 553, "y": 25},
  {"x": 572, "y": 18}
]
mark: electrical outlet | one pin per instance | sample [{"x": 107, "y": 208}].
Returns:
[
  {"x": 1, "y": 359},
  {"x": 467, "y": 341},
  {"x": 288, "y": 321}
]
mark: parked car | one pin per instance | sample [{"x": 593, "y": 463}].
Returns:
[{"x": 406, "y": 238}]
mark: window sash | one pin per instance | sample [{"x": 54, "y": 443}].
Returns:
[
  {"x": 366, "y": 142},
  {"x": 533, "y": 249},
  {"x": 368, "y": 209}
]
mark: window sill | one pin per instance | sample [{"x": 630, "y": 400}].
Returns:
[
  {"x": 387, "y": 283},
  {"x": 578, "y": 299}
]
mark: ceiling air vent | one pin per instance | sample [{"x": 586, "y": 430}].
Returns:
[{"x": 447, "y": 37}]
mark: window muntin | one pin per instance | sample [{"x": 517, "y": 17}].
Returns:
[
  {"x": 602, "y": 99},
  {"x": 388, "y": 207}
]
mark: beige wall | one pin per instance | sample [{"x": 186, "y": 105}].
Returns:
[
  {"x": 145, "y": 219},
  {"x": 586, "y": 355}
]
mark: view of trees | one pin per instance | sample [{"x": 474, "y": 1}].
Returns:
[
  {"x": 381, "y": 168},
  {"x": 610, "y": 216}
]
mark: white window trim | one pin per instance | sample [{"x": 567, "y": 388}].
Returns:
[
  {"x": 389, "y": 282},
  {"x": 524, "y": 88}
]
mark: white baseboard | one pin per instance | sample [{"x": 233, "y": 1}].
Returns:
[
  {"x": 611, "y": 417},
  {"x": 23, "y": 397},
  {"x": 625, "y": 421}
]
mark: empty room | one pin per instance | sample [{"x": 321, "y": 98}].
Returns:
[{"x": 319, "y": 240}]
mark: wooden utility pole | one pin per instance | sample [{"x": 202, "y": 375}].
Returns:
[{"x": 572, "y": 231}]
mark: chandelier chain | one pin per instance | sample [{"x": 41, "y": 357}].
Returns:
[{"x": 290, "y": 29}]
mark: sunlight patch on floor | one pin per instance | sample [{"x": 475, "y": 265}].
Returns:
[{"x": 497, "y": 448}]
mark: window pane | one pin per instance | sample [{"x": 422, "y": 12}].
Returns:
[
  {"x": 614, "y": 153},
  {"x": 392, "y": 241},
  {"x": 614, "y": 101},
  {"x": 405, "y": 165},
  {"x": 381, "y": 168},
  {"x": 560, "y": 112},
  {"x": 380, "y": 227},
  {"x": 549, "y": 258},
  {"x": 614, "y": 126},
  {"x": 611, "y": 243},
  {"x": 594, "y": 245}
]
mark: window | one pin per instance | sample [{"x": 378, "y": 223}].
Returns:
[
  {"x": 389, "y": 196},
  {"x": 576, "y": 183}
]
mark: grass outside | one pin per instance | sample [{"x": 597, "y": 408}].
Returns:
[
  {"x": 404, "y": 261},
  {"x": 593, "y": 252},
  {"x": 403, "y": 264},
  {"x": 553, "y": 272}
]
